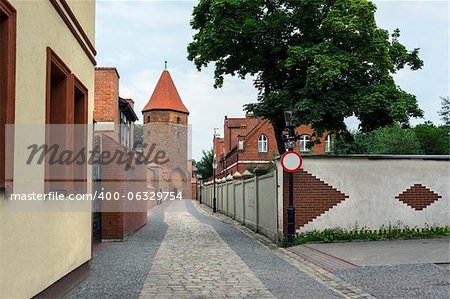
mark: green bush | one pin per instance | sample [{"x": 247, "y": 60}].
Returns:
[
  {"x": 389, "y": 232},
  {"x": 424, "y": 139},
  {"x": 433, "y": 140},
  {"x": 395, "y": 140}
]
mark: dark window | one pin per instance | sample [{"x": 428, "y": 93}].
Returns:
[
  {"x": 80, "y": 135},
  {"x": 7, "y": 82},
  {"x": 178, "y": 120},
  {"x": 66, "y": 117},
  {"x": 57, "y": 116}
]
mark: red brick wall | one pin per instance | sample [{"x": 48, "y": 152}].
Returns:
[
  {"x": 219, "y": 148},
  {"x": 165, "y": 116},
  {"x": 312, "y": 197},
  {"x": 234, "y": 127},
  {"x": 194, "y": 191},
  {"x": 418, "y": 197},
  {"x": 123, "y": 217},
  {"x": 250, "y": 129},
  {"x": 106, "y": 95}
]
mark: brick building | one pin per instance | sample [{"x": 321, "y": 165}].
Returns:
[
  {"x": 250, "y": 141},
  {"x": 115, "y": 117},
  {"x": 166, "y": 129}
]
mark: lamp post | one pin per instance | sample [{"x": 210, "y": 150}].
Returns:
[
  {"x": 290, "y": 141},
  {"x": 199, "y": 179},
  {"x": 214, "y": 165},
  {"x": 200, "y": 196}
]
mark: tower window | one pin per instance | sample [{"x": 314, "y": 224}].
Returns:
[
  {"x": 178, "y": 120},
  {"x": 148, "y": 118},
  {"x": 262, "y": 144}
]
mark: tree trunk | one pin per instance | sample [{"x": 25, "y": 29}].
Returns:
[{"x": 278, "y": 128}]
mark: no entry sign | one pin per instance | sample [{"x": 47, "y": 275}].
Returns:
[{"x": 291, "y": 161}]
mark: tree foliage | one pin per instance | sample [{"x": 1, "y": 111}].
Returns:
[
  {"x": 395, "y": 140},
  {"x": 426, "y": 139},
  {"x": 433, "y": 140},
  {"x": 204, "y": 166},
  {"x": 327, "y": 58},
  {"x": 445, "y": 110}
]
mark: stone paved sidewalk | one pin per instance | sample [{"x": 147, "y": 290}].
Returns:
[
  {"x": 194, "y": 262},
  {"x": 185, "y": 253},
  {"x": 328, "y": 279}
]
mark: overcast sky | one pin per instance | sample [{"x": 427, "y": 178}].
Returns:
[{"x": 137, "y": 36}]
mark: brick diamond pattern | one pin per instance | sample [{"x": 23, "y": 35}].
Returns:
[
  {"x": 418, "y": 197},
  {"x": 312, "y": 197}
]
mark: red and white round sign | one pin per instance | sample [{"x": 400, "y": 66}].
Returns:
[{"x": 291, "y": 161}]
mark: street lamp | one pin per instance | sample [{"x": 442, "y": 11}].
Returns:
[
  {"x": 214, "y": 165},
  {"x": 199, "y": 180},
  {"x": 290, "y": 142}
]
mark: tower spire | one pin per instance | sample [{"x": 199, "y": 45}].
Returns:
[
  {"x": 165, "y": 96},
  {"x": 165, "y": 65}
]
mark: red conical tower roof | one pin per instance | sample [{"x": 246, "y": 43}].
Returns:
[{"x": 165, "y": 96}]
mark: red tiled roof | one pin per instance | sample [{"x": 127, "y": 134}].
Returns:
[{"x": 165, "y": 96}]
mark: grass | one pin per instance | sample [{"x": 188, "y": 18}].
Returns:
[{"x": 384, "y": 233}]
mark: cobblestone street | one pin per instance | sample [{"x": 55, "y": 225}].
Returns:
[{"x": 183, "y": 252}]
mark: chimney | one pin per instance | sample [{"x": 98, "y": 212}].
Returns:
[
  {"x": 106, "y": 94},
  {"x": 131, "y": 102}
]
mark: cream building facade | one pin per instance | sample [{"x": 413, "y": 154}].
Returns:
[{"x": 53, "y": 44}]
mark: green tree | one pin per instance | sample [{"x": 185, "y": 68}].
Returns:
[
  {"x": 445, "y": 110},
  {"x": 138, "y": 136},
  {"x": 204, "y": 166},
  {"x": 395, "y": 140},
  {"x": 327, "y": 58},
  {"x": 138, "y": 131},
  {"x": 351, "y": 143},
  {"x": 433, "y": 140}
]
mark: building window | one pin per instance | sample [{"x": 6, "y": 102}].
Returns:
[
  {"x": 241, "y": 145},
  {"x": 328, "y": 143},
  {"x": 66, "y": 115},
  {"x": 262, "y": 144},
  {"x": 304, "y": 140},
  {"x": 125, "y": 130},
  {"x": 178, "y": 120},
  {"x": 80, "y": 120},
  {"x": 7, "y": 89},
  {"x": 57, "y": 116},
  {"x": 148, "y": 119}
]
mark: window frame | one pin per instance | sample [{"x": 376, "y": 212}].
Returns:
[
  {"x": 53, "y": 60},
  {"x": 78, "y": 86},
  {"x": 71, "y": 85},
  {"x": 8, "y": 80},
  {"x": 304, "y": 139},
  {"x": 328, "y": 143},
  {"x": 263, "y": 143}
]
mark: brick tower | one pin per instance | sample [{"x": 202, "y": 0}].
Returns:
[{"x": 166, "y": 127}]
